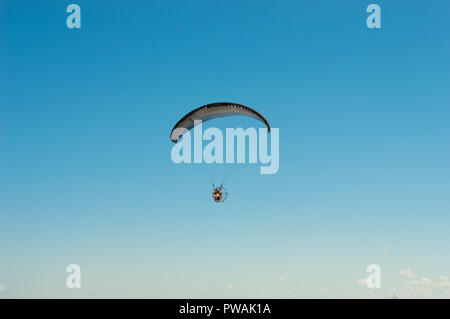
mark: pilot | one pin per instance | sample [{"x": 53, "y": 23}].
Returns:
[{"x": 217, "y": 195}]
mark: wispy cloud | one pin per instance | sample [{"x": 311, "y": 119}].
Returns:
[
  {"x": 361, "y": 282},
  {"x": 415, "y": 286},
  {"x": 323, "y": 290},
  {"x": 406, "y": 273},
  {"x": 443, "y": 282}
]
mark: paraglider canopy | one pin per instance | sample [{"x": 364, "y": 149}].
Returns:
[{"x": 211, "y": 111}]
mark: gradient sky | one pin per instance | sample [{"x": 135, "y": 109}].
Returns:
[{"x": 86, "y": 175}]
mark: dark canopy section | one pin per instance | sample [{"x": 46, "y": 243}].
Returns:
[{"x": 211, "y": 111}]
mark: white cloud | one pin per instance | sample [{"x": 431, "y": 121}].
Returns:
[
  {"x": 361, "y": 282},
  {"x": 406, "y": 273},
  {"x": 2, "y": 288},
  {"x": 415, "y": 286},
  {"x": 323, "y": 290},
  {"x": 443, "y": 282},
  {"x": 280, "y": 278},
  {"x": 414, "y": 282}
]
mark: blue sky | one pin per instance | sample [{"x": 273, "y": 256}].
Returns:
[{"x": 86, "y": 175}]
